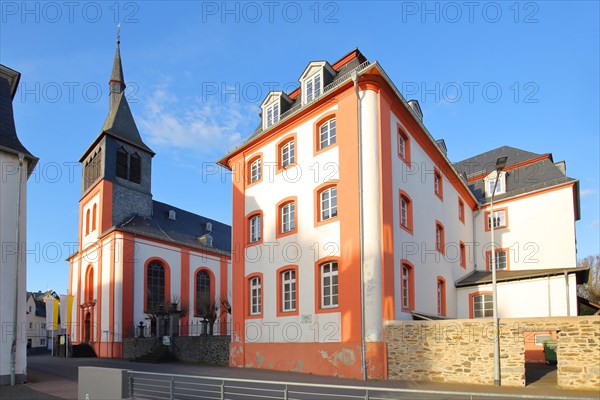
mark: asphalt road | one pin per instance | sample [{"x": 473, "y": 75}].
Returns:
[{"x": 46, "y": 368}]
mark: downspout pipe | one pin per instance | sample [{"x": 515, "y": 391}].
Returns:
[
  {"x": 13, "y": 348},
  {"x": 363, "y": 350}
]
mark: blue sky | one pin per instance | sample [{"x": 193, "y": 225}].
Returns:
[{"x": 486, "y": 74}]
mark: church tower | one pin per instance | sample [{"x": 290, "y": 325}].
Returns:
[{"x": 117, "y": 166}]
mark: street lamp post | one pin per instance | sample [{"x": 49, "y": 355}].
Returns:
[{"x": 500, "y": 164}]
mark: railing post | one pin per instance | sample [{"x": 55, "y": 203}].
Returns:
[
  {"x": 366, "y": 394},
  {"x": 130, "y": 385},
  {"x": 172, "y": 388},
  {"x": 285, "y": 393},
  {"x": 222, "y": 390}
]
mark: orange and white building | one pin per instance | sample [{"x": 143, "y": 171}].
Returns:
[
  {"x": 350, "y": 214},
  {"x": 136, "y": 256}
]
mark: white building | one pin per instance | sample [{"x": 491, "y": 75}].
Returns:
[
  {"x": 16, "y": 165},
  {"x": 39, "y": 338},
  {"x": 351, "y": 214}
]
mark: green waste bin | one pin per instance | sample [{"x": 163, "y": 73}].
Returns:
[{"x": 550, "y": 351}]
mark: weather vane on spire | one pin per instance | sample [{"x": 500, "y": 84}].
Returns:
[{"x": 119, "y": 33}]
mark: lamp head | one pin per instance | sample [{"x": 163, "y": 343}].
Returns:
[{"x": 501, "y": 163}]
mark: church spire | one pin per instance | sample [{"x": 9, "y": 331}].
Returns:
[{"x": 117, "y": 82}]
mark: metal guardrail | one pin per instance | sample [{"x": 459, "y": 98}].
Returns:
[{"x": 156, "y": 386}]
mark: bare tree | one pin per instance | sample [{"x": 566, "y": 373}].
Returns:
[{"x": 591, "y": 289}]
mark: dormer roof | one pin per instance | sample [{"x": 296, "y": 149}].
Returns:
[{"x": 315, "y": 66}]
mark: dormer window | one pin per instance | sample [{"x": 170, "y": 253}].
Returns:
[
  {"x": 273, "y": 107},
  {"x": 314, "y": 79},
  {"x": 272, "y": 114},
  {"x": 313, "y": 87},
  {"x": 490, "y": 182},
  {"x": 172, "y": 215}
]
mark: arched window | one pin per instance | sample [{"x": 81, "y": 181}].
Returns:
[
  {"x": 406, "y": 212},
  {"x": 155, "y": 286},
  {"x": 441, "y": 296},
  {"x": 89, "y": 284},
  {"x": 135, "y": 168},
  {"x": 439, "y": 237},
  {"x": 94, "y": 212},
  {"x": 328, "y": 203},
  {"x": 255, "y": 295},
  {"x": 407, "y": 286},
  {"x": 203, "y": 297},
  {"x": 287, "y": 153},
  {"x": 122, "y": 163},
  {"x": 87, "y": 222},
  {"x": 327, "y": 134}
]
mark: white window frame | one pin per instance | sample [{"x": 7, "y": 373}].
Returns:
[
  {"x": 255, "y": 170},
  {"x": 329, "y": 283},
  {"x": 404, "y": 212},
  {"x": 272, "y": 114},
  {"x": 327, "y": 133},
  {"x": 440, "y": 295},
  {"x": 490, "y": 181},
  {"x": 499, "y": 218},
  {"x": 486, "y": 301},
  {"x": 255, "y": 228},
  {"x": 405, "y": 287},
  {"x": 255, "y": 296},
  {"x": 501, "y": 259},
  {"x": 328, "y": 201},
  {"x": 438, "y": 238},
  {"x": 313, "y": 87},
  {"x": 437, "y": 184},
  {"x": 288, "y": 287},
  {"x": 288, "y": 217},
  {"x": 288, "y": 153},
  {"x": 401, "y": 146}
]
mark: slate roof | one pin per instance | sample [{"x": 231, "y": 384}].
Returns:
[
  {"x": 186, "y": 229},
  {"x": 341, "y": 75},
  {"x": 117, "y": 69},
  {"x": 533, "y": 176},
  {"x": 38, "y": 299},
  {"x": 475, "y": 278},
  {"x": 486, "y": 162},
  {"x": 9, "y": 141},
  {"x": 119, "y": 123}
]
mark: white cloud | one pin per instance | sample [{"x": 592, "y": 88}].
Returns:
[
  {"x": 209, "y": 128},
  {"x": 587, "y": 192}
]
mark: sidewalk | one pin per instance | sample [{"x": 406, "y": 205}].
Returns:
[
  {"x": 56, "y": 378},
  {"x": 40, "y": 386}
]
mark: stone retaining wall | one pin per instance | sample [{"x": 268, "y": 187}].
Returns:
[
  {"x": 136, "y": 347},
  {"x": 202, "y": 349},
  {"x": 462, "y": 351}
]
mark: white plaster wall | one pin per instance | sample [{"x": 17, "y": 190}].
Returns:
[
  {"x": 145, "y": 250},
  {"x": 540, "y": 297},
  {"x": 118, "y": 310},
  {"x": 92, "y": 237},
  {"x": 106, "y": 278},
  {"x": 540, "y": 232},
  {"x": 304, "y": 248},
  {"x": 197, "y": 261},
  {"x": 369, "y": 108},
  {"x": 416, "y": 180},
  {"x": 9, "y": 187}
]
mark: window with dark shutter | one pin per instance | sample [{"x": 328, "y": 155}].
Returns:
[
  {"x": 135, "y": 168},
  {"x": 122, "y": 161}
]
